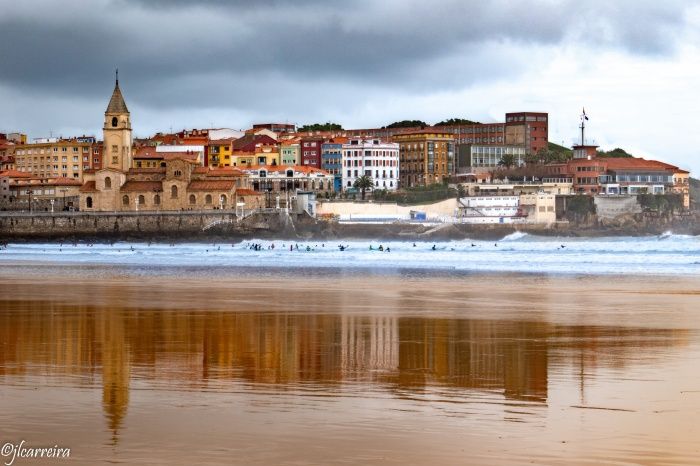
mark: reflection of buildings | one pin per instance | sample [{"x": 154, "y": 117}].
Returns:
[
  {"x": 115, "y": 368},
  {"x": 202, "y": 349}
]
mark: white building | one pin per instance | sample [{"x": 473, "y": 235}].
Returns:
[
  {"x": 374, "y": 158},
  {"x": 491, "y": 209}
]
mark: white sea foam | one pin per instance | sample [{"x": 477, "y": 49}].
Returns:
[
  {"x": 515, "y": 236},
  {"x": 675, "y": 255}
]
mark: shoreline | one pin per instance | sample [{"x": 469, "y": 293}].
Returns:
[{"x": 224, "y": 226}]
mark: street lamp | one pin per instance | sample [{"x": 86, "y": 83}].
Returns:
[
  {"x": 52, "y": 201},
  {"x": 63, "y": 190}
]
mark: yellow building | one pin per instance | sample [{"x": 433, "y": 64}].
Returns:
[
  {"x": 54, "y": 158},
  {"x": 220, "y": 153},
  {"x": 426, "y": 157},
  {"x": 266, "y": 155}
]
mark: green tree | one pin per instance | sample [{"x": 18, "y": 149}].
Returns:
[
  {"x": 407, "y": 124},
  {"x": 507, "y": 160},
  {"x": 363, "y": 183},
  {"x": 456, "y": 121},
  {"x": 320, "y": 127}
]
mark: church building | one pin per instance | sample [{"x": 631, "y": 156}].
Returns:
[{"x": 178, "y": 183}]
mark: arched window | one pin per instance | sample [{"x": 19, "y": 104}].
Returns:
[
  {"x": 115, "y": 121},
  {"x": 125, "y": 200},
  {"x": 193, "y": 199},
  {"x": 207, "y": 199},
  {"x": 108, "y": 182},
  {"x": 156, "y": 199},
  {"x": 177, "y": 173},
  {"x": 223, "y": 199},
  {"x": 173, "y": 192},
  {"x": 162, "y": 165},
  {"x": 320, "y": 185},
  {"x": 142, "y": 199},
  {"x": 88, "y": 202}
]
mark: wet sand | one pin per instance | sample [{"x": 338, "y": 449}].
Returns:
[{"x": 245, "y": 366}]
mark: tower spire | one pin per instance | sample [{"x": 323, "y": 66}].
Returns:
[{"x": 116, "y": 72}]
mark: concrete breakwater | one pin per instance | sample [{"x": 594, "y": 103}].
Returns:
[{"x": 137, "y": 225}]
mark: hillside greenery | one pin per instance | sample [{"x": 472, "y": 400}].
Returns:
[
  {"x": 320, "y": 127},
  {"x": 695, "y": 193},
  {"x": 617, "y": 152},
  {"x": 456, "y": 121},
  {"x": 407, "y": 124}
]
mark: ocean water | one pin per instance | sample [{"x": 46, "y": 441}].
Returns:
[{"x": 667, "y": 254}]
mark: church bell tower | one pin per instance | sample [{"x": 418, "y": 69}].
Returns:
[{"x": 117, "y": 132}]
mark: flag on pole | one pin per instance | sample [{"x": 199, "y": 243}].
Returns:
[{"x": 584, "y": 114}]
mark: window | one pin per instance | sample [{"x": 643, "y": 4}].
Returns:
[
  {"x": 193, "y": 199},
  {"x": 177, "y": 173},
  {"x": 115, "y": 148},
  {"x": 125, "y": 200},
  {"x": 88, "y": 202},
  {"x": 207, "y": 199},
  {"x": 115, "y": 121},
  {"x": 173, "y": 192},
  {"x": 156, "y": 199},
  {"x": 141, "y": 199},
  {"x": 108, "y": 182}
]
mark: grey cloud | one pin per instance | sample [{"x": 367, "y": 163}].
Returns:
[{"x": 253, "y": 54}]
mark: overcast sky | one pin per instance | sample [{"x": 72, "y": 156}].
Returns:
[{"x": 633, "y": 64}]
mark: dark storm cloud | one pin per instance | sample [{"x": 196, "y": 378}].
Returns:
[{"x": 178, "y": 53}]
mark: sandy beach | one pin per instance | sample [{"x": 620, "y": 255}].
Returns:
[{"x": 252, "y": 366}]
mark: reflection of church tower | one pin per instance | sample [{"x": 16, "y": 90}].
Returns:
[
  {"x": 115, "y": 370},
  {"x": 117, "y": 132}
]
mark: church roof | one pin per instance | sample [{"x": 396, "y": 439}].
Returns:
[{"x": 116, "y": 103}]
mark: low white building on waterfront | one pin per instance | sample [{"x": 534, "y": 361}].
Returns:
[{"x": 374, "y": 158}]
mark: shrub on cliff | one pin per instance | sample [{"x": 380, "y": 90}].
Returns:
[
  {"x": 579, "y": 207},
  {"x": 662, "y": 203}
]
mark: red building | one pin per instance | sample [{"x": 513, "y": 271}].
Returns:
[
  {"x": 311, "y": 151},
  {"x": 529, "y": 129}
]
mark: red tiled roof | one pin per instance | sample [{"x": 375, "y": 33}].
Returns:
[
  {"x": 88, "y": 187},
  {"x": 225, "y": 171},
  {"x": 211, "y": 185},
  {"x": 15, "y": 174},
  {"x": 142, "y": 186},
  {"x": 248, "y": 192},
  {"x": 634, "y": 163},
  {"x": 63, "y": 181},
  {"x": 247, "y": 143},
  {"x": 200, "y": 170}
]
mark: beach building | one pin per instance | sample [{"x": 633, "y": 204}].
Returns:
[
  {"x": 490, "y": 209},
  {"x": 371, "y": 157}
]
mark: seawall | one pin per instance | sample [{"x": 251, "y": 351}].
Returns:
[
  {"x": 135, "y": 225},
  {"x": 223, "y": 226}
]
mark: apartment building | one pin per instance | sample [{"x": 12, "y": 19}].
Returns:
[
  {"x": 425, "y": 156},
  {"x": 370, "y": 157},
  {"x": 53, "y": 157}
]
